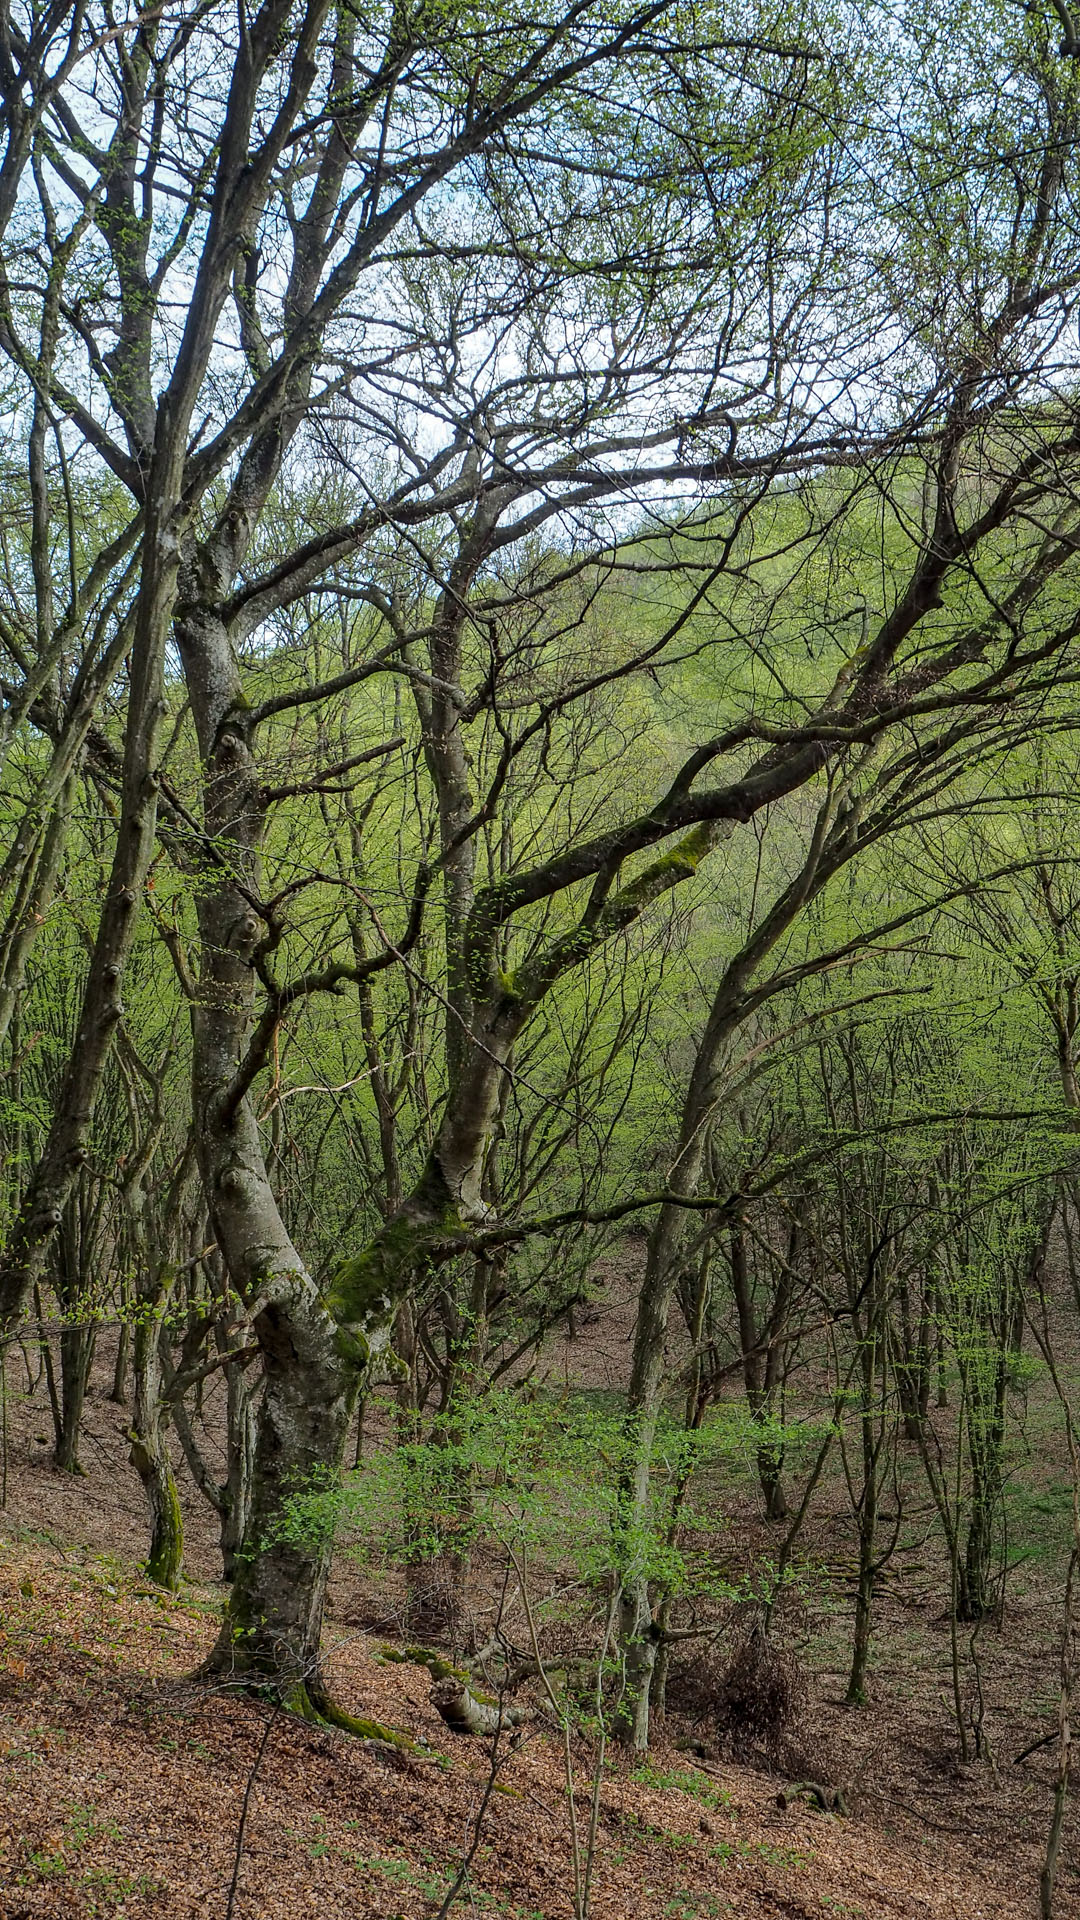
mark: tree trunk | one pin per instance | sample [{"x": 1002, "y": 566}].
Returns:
[
  {"x": 637, "y": 1642},
  {"x": 240, "y": 1467},
  {"x": 33, "y": 897},
  {"x": 855, "y": 1695},
  {"x": 986, "y": 1436},
  {"x": 770, "y": 1459},
  {"x": 311, "y": 1367},
  {"x": 118, "y": 1391},
  {"x": 66, "y": 1145},
  {"x": 913, "y": 1363},
  {"x": 273, "y": 1621},
  {"x": 150, "y": 1453},
  {"x": 76, "y": 1358},
  {"x": 867, "y": 1517},
  {"x": 727, "y": 1012}
]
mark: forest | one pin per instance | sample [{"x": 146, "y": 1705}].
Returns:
[{"x": 539, "y": 959}]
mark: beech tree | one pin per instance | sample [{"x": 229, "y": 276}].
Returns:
[
  {"x": 465, "y": 326},
  {"x": 580, "y": 338},
  {"x": 451, "y": 250}
]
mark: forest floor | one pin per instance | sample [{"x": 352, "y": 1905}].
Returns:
[{"x": 124, "y": 1781}]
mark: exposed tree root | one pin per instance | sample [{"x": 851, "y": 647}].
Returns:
[
  {"x": 312, "y": 1701},
  {"x": 825, "y": 1799},
  {"x": 464, "y": 1713},
  {"x": 439, "y": 1667}
]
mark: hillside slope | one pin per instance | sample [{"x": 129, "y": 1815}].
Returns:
[{"x": 123, "y": 1783}]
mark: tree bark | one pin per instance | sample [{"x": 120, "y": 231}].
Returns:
[
  {"x": 76, "y": 1358},
  {"x": 150, "y": 1451}
]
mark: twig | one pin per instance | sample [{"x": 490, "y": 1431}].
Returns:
[
  {"x": 598, "y": 1767},
  {"x": 563, "y": 1720},
  {"x": 489, "y": 1787},
  {"x": 1035, "y": 1747},
  {"x": 241, "y": 1830},
  {"x": 478, "y": 1827}
]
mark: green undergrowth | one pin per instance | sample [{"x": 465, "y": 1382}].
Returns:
[
  {"x": 684, "y": 1780},
  {"x": 59, "y": 1865},
  {"x": 423, "y": 1874},
  {"x": 539, "y": 1480}
]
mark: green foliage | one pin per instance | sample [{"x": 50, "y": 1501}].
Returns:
[
  {"x": 683, "y": 1780},
  {"x": 541, "y": 1479}
]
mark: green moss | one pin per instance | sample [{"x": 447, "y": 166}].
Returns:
[
  {"x": 165, "y": 1558},
  {"x": 364, "y": 1290},
  {"x": 358, "y": 1293},
  {"x": 683, "y": 860},
  {"x": 167, "y": 1546},
  {"x": 438, "y": 1667},
  {"x": 352, "y": 1347},
  {"x": 315, "y": 1704}
]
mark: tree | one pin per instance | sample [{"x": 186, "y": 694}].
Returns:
[{"x": 474, "y": 272}]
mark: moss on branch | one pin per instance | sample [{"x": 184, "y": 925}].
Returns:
[{"x": 365, "y": 1289}]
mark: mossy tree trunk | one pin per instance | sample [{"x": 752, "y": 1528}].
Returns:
[
  {"x": 150, "y": 1453},
  {"x": 273, "y": 1620},
  {"x": 311, "y": 1368},
  {"x": 312, "y": 1365}
]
